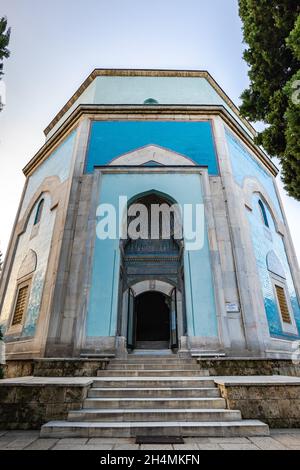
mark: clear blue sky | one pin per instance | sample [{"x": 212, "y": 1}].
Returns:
[{"x": 56, "y": 43}]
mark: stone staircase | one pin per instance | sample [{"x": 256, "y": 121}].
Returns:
[{"x": 153, "y": 396}]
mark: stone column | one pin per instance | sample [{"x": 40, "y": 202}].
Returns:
[
  {"x": 61, "y": 328},
  {"x": 251, "y": 300},
  {"x": 215, "y": 263}
]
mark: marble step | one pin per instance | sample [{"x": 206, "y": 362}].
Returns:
[
  {"x": 158, "y": 402},
  {"x": 155, "y": 366},
  {"x": 152, "y": 352},
  {"x": 152, "y": 382},
  {"x": 154, "y": 414},
  {"x": 151, "y": 373},
  {"x": 155, "y": 360},
  {"x": 60, "y": 429},
  {"x": 170, "y": 392}
]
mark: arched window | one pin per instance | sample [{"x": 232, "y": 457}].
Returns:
[
  {"x": 263, "y": 213},
  {"x": 39, "y": 211},
  {"x": 150, "y": 101}
]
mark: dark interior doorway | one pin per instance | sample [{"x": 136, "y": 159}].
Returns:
[{"x": 152, "y": 317}]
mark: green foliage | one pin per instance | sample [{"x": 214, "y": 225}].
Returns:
[
  {"x": 4, "y": 40},
  {"x": 272, "y": 33},
  {"x": 291, "y": 158}
]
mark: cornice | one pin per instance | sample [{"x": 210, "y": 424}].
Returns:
[
  {"x": 141, "y": 112},
  {"x": 148, "y": 73}
]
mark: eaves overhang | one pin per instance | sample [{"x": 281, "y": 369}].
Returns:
[{"x": 139, "y": 112}]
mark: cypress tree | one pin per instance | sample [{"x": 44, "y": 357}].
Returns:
[{"x": 272, "y": 32}]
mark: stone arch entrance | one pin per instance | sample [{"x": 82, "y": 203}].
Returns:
[
  {"x": 152, "y": 320},
  {"x": 151, "y": 304},
  {"x": 153, "y": 315}
]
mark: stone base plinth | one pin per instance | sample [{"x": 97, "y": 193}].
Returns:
[
  {"x": 54, "y": 367},
  {"x": 29, "y": 402},
  {"x": 249, "y": 366},
  {"x": 275, "y": 400}
]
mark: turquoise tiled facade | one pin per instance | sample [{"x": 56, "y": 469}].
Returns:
[
  {"x": 109, "y": 140},
  {"x": 57, "y": 164},
  {"x": 201, "y": 310},
  {"x": 40, "y": 243},
  {"x": 244, "y": 165},
  {"x": 266, "y": 240}
]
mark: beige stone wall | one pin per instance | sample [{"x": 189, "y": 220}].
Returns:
[
  {"x": 250, "y": 367},
  {"x": 53, "y": 367},
  {"x": 276, "y": 405},
  {"x": 30, "y": 406}
]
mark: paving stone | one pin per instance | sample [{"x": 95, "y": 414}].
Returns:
[
  {"x": 18, "y": 439},
  {"x": 229, "y": 440},
  {"x": 83, "y": 447},
  {"x": 20, "y": 444},
  {"x": 267, "y": 443},
  {"x": 238, "y": 447},
  {"x": 98, "y": 447},
  {"x": 187, "y": 446},
  {"x": 29, "y": 440},
  {"x": 73, "y": 440},
  {"x": 156, "y": 447},
  {"x": 287, "y": 439},
  {"x": 3, "y": 445},
  {"x": 58, "y": 447},
  {"x": 209, "y": 447},
  {"x": 126, "y": 447},
  {"x": 4, "y": 440},
  {"x": 22, "y": 434},
  {"x": 5, "y": 437},
  {"x": 285, "y": 431},
  {"x": 197, "y": 440},
  {"x": 42, "y": 444},
  {"x": 111, "y": 440}
]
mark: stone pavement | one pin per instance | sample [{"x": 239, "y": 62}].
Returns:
[{"x": 280, "y": 439}]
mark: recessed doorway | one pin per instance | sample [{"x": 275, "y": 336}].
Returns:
[{"x": 152, "y": 320}]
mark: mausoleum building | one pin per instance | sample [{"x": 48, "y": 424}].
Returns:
[{"x": 77, "y": 283}]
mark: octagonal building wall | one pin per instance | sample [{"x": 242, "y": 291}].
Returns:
[{"x": 200, "y": 144}]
